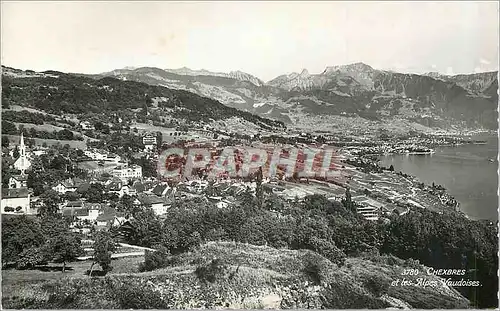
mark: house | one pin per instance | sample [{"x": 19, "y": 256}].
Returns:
[
  {"x": 110, "y": 217},
  {"x": 94, "y": 154},
  {"x": 75, "y": 212},
  {"x": 125, "y": 172},
  {"x": 16, "y": 201},
  {"x": 73, "y": 204},
  {"x": 196, "y": 185},
  {"x": 65, "y": 186},
  {"x": 161, "y": 190},
  {"x": 18, "y": 181},
  {"x": 223, "y": 204},
  {"x": 149, "y": 141},
  {"x": 86, "y": 211},
  {"x": 113, "y": 158},
  {"x": 155, "y": 202},
  {"x": 120, "y": 189},
  {"x": 126, "y": 190},
  {"x": 86, "y": 125},
  {"x": 39, "y": 152},
  {"x": 114, "y": 185}
]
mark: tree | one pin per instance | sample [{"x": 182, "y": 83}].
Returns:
[
  {"x": 259, "y": 193},
  {"x": 5, "y": 141},
  {"x": 147, "y": 229},
  {"x": 72, "y": 196},
  {"x": 64, "y": 248},
  {"x": 15, "y": 153},
  {"x": 391, "y": 168},
  {"x": 31, "y": 257},
  {"x": 149, "y": 169},
  {"x": 104, "y": 247},
  {"x": 51, "y": 200},
  {"x": 127, "y": 205},
  {"x": 347, "y": 201},
  {"x": 95, "y": 193},
  {"x": 159, "y": 138},
  {"x": 8, "y": 128},
  {"x": 19, "y": 234}
]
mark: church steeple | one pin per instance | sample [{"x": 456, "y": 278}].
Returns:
[
  {"x": 22, "y": 147},
  {"x": 22, "y": 163}
]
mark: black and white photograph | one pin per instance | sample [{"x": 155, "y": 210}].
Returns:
[{"x": 249, "y": 154}]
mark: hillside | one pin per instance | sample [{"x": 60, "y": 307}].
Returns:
[
  {"x": 350, "y": 90},
  {"x": 234, "y": 275},
  {"x": 57, "y": 92}
]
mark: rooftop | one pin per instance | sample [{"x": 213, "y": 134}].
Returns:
[{"x": 15, "y": 193}]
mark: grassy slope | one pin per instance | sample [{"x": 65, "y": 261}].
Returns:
[{"x": 253, "y": 277}]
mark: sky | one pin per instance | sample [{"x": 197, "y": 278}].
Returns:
[{"x": 265, "y": 39}]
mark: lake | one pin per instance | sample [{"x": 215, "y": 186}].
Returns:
[{"x": 465, "y": 171}]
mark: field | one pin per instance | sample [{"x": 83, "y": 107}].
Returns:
[
  {"x": 42, "y": 127},
  {"x": 146, "y": 128},
  {"x": 14, "y": 280},
  {"x": 80, "y": 144},
  {"x": 20, "y": 108}
]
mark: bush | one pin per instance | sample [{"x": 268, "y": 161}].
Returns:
[
  {"x": 376, "y": 285},
  {"x": 155, "y": 260},
  {"x": 344, "y": 296},
  {"x": 328, "y": 249},
  {"x": 316, "y": 267},
  {"x": 212, "y": 271},
  {"x": 31, "y": 257},
  {"x": 134, "y": 296}
]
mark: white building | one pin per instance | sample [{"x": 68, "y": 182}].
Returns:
[
  {"x": 124, "y": 190},
  {"x": 126, "y": 172},
  {"x": 149, "y": 141},
  {"x": 16, "y": 201},
  {"x": 86, "y": 125},
  {"x": 156, "y": 203},
  {"x": 22, "y": 163},
  {"x": 64, "y": 187},
  {"x": 95, "y": 154},
  {"x": 98, "y": 155},
  {"x": 18, "y": 181}
]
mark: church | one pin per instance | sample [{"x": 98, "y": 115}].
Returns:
[
  {"x": 22, "y": 163},
  {"x": 16, "y": 199}
]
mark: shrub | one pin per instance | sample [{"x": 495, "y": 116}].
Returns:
[
  {"x": 155, "y": 260},
  {"x": 345, "y": 296},
  {"x": 133, "y": 296},
  {"x": 31, "y": 257},
  {"x": 376, "y": 285},
  {"x": 316, "y": 267},
  {"x": 212, "y": 271},
  {"x": 328, "y": 249}
]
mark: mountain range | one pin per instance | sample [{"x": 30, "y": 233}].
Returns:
[
  {"x": 76, "y": 94},
  {"x": 354, "y": 90}
]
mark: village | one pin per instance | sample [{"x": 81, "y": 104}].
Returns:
[{"x": 97, "y": 201}]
